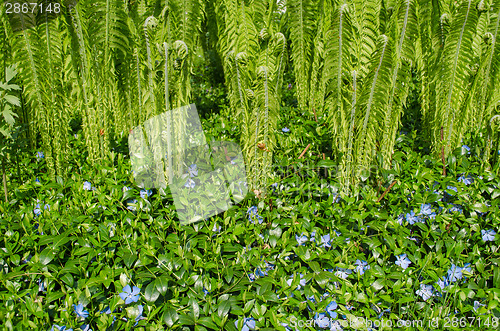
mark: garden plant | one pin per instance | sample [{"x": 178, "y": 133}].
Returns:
[{"x": 349, "y": 151}]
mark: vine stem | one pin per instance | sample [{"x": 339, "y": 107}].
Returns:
[{"x": 4, "y": 181}]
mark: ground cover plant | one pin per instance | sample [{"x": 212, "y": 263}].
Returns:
[{"x": 370, "y": 132}]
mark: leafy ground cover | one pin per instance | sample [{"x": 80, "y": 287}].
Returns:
[{"x": 96, "y": 252}]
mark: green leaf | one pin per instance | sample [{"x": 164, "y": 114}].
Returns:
[
  {"x": 170, "y": 316},
  {"x": 47, "y": 255},
  {"x": 151, "y": 293},
  {"x": 162, "y": 284}
]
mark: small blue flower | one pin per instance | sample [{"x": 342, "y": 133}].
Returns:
[
  {"x": 131, "y": 204},
  {"x": 343, "y": 273},
  {"x": 425, "y": 209},
  {"x": 321, "y": 320},
  {"x": 426, "y": 291},
  {"x": 488, "y": 235},
  {"x": 465, "y": 148},
  {"x": 454, "y": 273},
  {"x": 478, "y": 305},
  {"x": 80, "y": 312},
  {"x": 190, "y": 183},
  {"x": 205, "y": 291},
  {"x": 85, "y": 327},
  {"x": 466, "y": 180},
  {"x": 302, "y": 281},
  {"x": 130, "y": 295},
  {"x": 301, "y": 240},
  {"x": 145, "y": 193},
  {"x": 412, "y": 218},
  {"x": 455, "y": 208},
  {"x": 248, "y": 324},
  {"x": 443, "y": 283},
  {"x": 361, "y": 266},
  {"x": 325, "y": 241},
  {"x": 139, "y": 315},
  {"x": 106, "y": 310},
  {"x": 285, "y": 129},
  {"x": 403, "y": 261},
  {"x": 37, "y": 210},
  {"x": 215, "y": 228},
  {"x": 193, "y": 170},
  {"x": 37, "y": 180},
  {"x": 330, "y": 309},
  {"x": 253, "y": 213},
  {"x": 40, "y": 155},
  {"x": 260, "y": 273},
  {"x": 59, "y": 328},
  {"x": 87, "y": 186}
]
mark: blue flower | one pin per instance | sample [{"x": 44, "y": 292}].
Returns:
[
  {"x": 253, "y": 213},
  {"x": 285, "y": 129},
  {"x": 412, "y": 218},
  {"x": 215, "y": 228},
  {"x": 321, "y": 320},
  {"x": 455, "y": 208},
  {"x": 37, "y": 210},
  {"x": 361, "y": 266},
  {"x": 60, "y": 328},
  {"x": 130, "y": 295},
  {"x": 443, "y": 283},
  {"x": 302, "y": 281},
  {"x": 40, "y": 155},
  {"x": 478, "y": 305},
  {"x": 205, "y": 291},
  {"x": 325, "y": 241},
  {"x": 454, "y": 273},
  {"x": 37, "y": 180},
  {"x": 79, "y": 311},
  {"x": 425, "y": 209},
  {"x": 488, "y": 235},
  {"x": 145, "y": 193},
  {"x": 426, "y": 291},
  {"x": 251, "y": 277},
  {"x": 130, "y": 204},
  {"x": 343, "y": 273},
  {"x": 87, "y": 186},
  {"x": 330, "y": 309},
  {"x": 464, "y": 148},
  {"x": 106, "y": 310},
  {"x": 190, "y": 183},
  {"x": 466, "y": 180},
  {"x": 85, "y": 327},
  {"x": 139, "y": 315},
  {"x": 41, "y": 286},
  {"x": 193, "y": 170},
  {"x": 248, "y": 324},
  {"x": 301, "y": 240},
  {"x": 403, "y": 261}
]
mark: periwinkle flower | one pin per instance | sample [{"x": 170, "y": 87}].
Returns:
[
  {"x": 130, "y": 294},
  {"x": 193, "y": 170},
  {"x": 302, "y": 281},
  {"x": 426, "y": 291},
  {"x": 145, "y": 193},
  {"x": 139, "y": 316},
  {"x": 343, "y": 273},
  {"x": 56, "y": 327},
  {"x": 325, "y": 241},
  {"x": 285, "y": 129},
  {"x": 454, "y": 273},
  {"x": 478, "y": 305},
  {"x": 248, "y": 324},
  {"x": 301, "y": 240},
  {"x": 253, "y": 213},
  {"x": 40, "y": 155},
  {"x": 79, "y": 311},
  {"x": 190, "y": 183},
  {"x": 466, "y": 180},
  {"x": 403, "y": 261},
  {"x": 466, "y": 148},
  {"x": 87, "y": 186},
  {"x": 330, "y": 309},
  {"x": 488, "y": 235},
  {"x": 321, "y": 320},
  {"x": 361, "y": 266}
]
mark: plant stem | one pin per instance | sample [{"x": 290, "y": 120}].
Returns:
[{"x": 4, "y": 181}]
